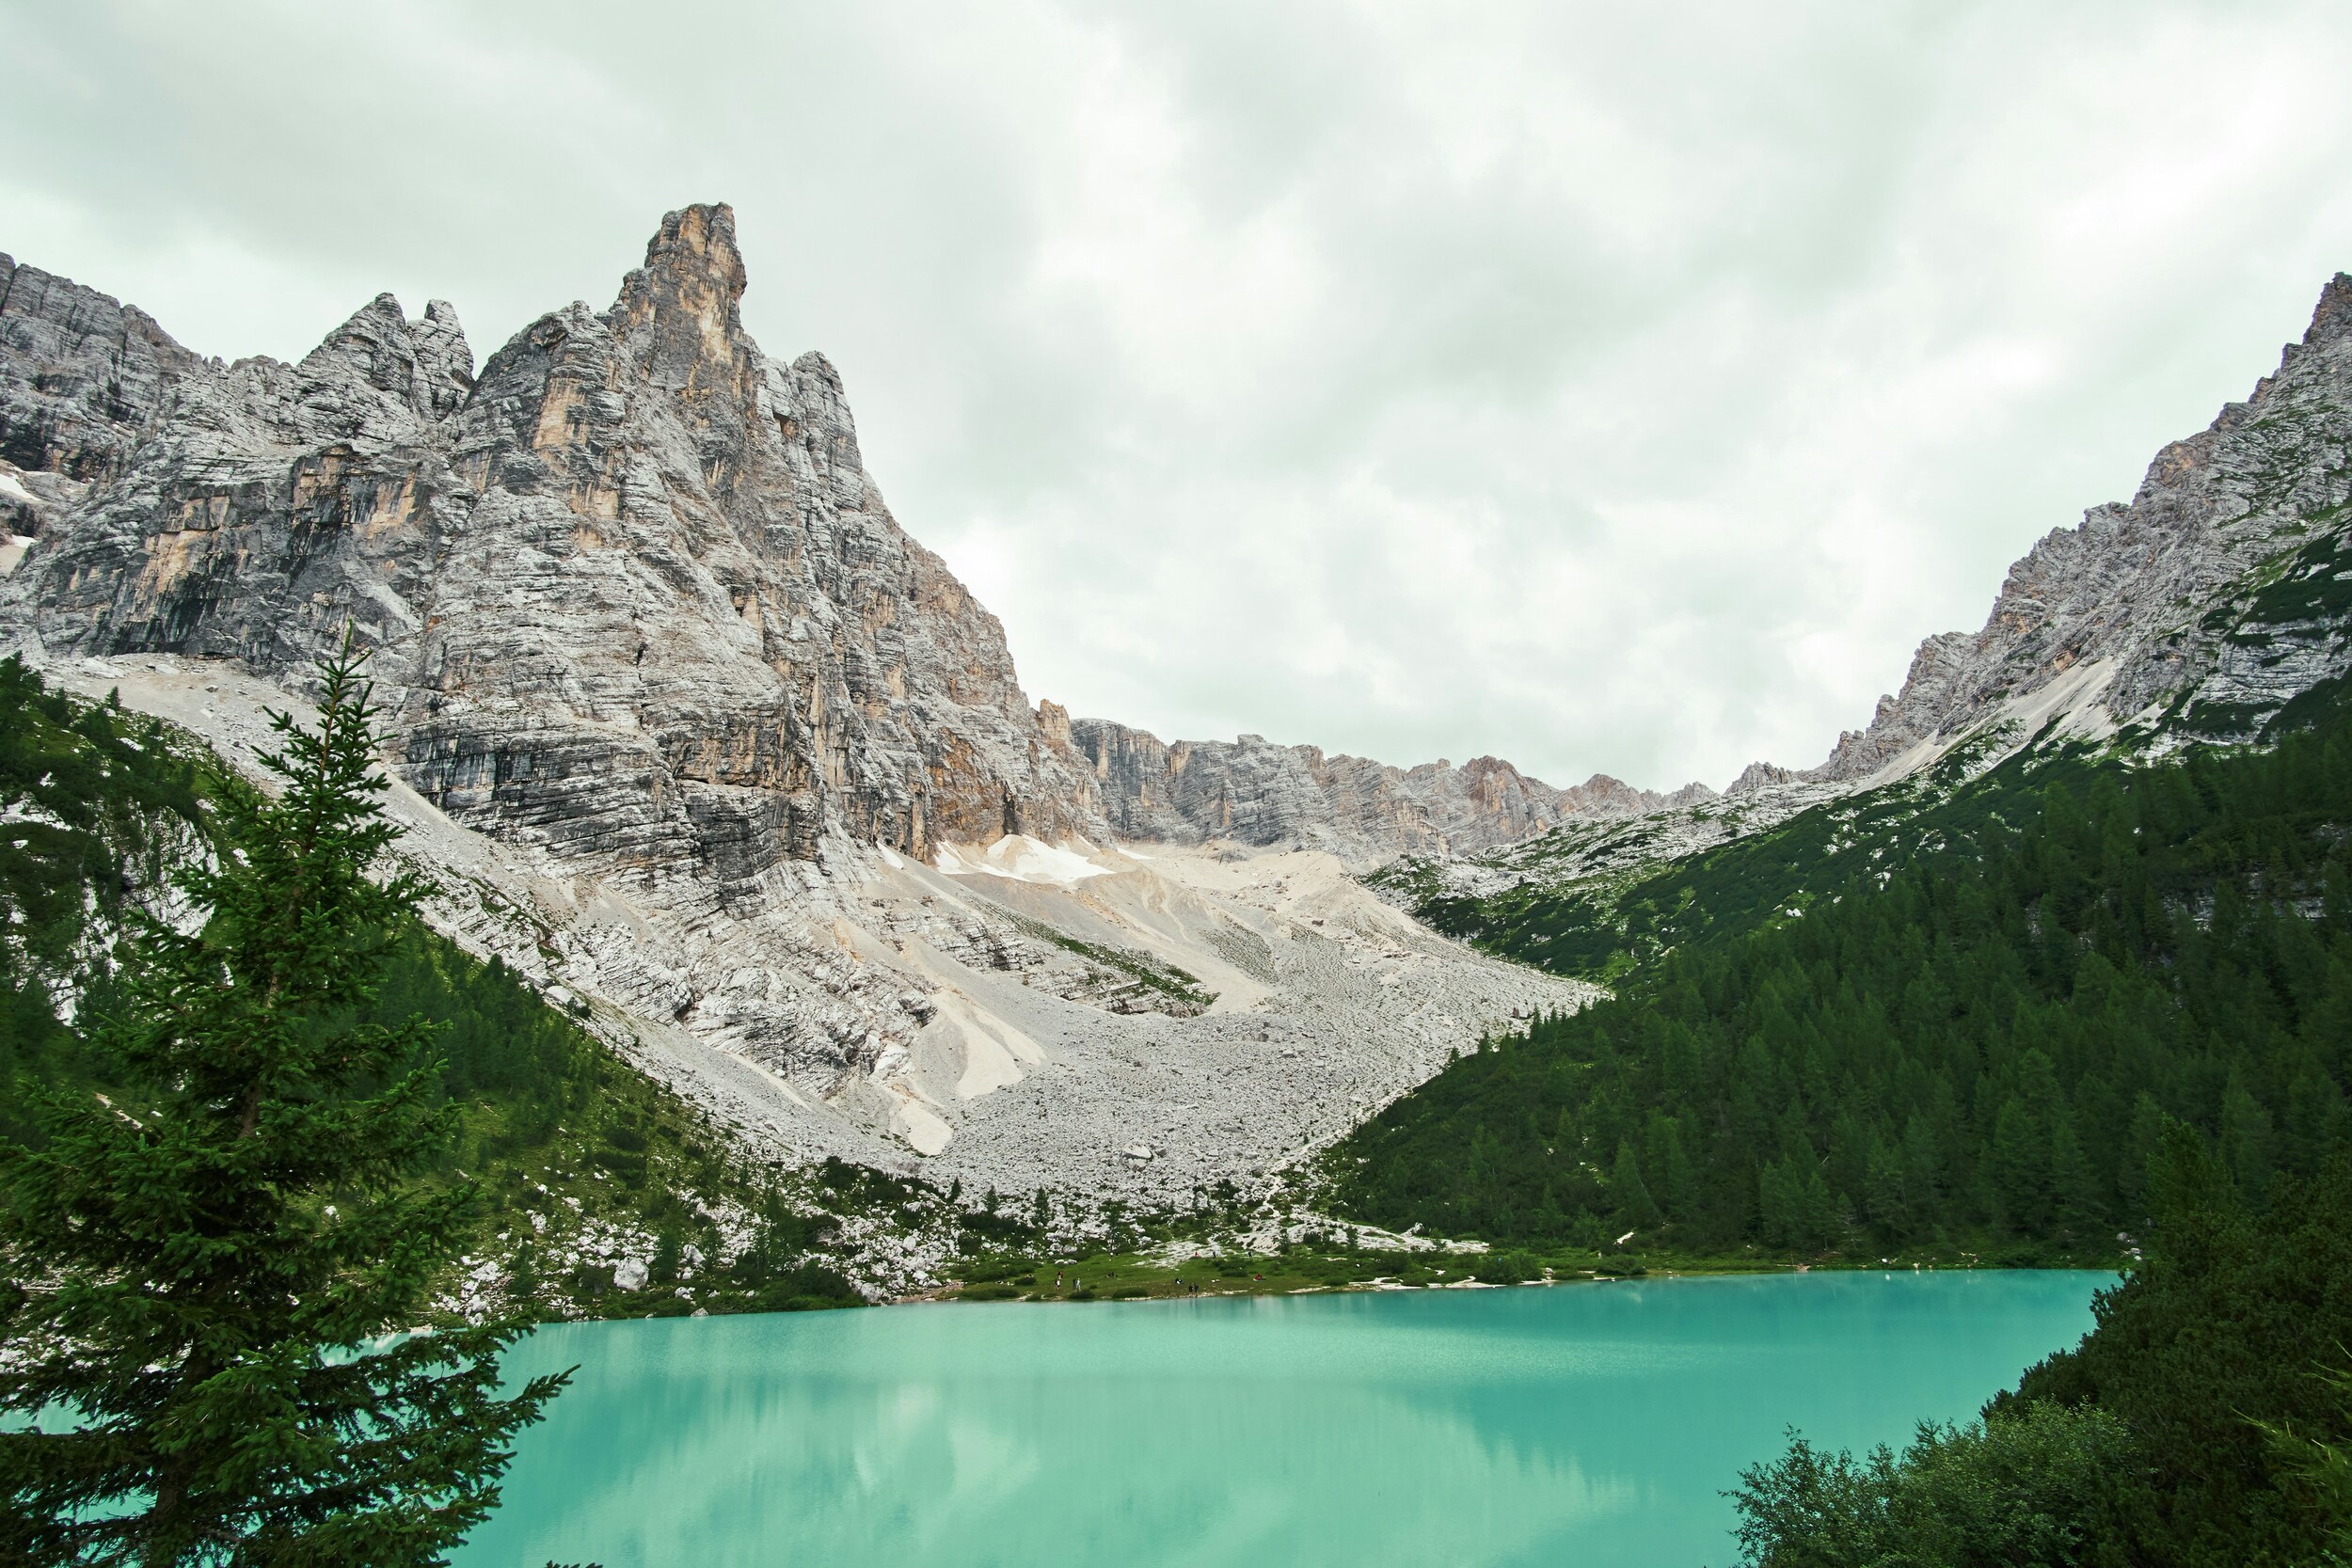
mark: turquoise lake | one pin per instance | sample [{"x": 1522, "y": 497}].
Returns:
[{"x": 1582, "y": 1424}]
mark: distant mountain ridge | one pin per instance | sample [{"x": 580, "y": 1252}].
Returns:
[{"x": 1255, "y": 792}]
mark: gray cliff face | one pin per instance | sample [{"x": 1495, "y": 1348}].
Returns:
[
  {"x": 2202, "y": 608},
  {"x": 1253, "y": 792},
  {"x": 81, "y": 374},
  {"x": 631, "y": 591}
]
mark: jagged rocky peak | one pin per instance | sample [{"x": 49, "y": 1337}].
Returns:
[
  {"x": 631, "y": 590},
  {"x": 2332, "y": 319},
  {"x": 1761, "y": 775},
  {"x": 686, "y": 296},
  {"x": 426, "y": 364}
]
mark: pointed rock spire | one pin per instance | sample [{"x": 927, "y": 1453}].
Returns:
[
  {"x": 426, "y": 364},
  {"x": 678, "y": 316},
  {"x": 687, "y": 291},
  {"x": 374, "y": 345},
  {"x": 444, "y": 360}
]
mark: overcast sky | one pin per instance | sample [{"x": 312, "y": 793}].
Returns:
[{"x": 1617, "y": 387}]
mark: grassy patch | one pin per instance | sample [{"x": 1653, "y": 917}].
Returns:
[
  {"x": 1302, "y": 1271},
  {"x": 1151, "y": 973}
]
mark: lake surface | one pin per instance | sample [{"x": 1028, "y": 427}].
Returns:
[{"x": 1589, "y": 1424}]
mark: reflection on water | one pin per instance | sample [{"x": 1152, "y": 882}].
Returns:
[{"x": 1580, "y": 1425}]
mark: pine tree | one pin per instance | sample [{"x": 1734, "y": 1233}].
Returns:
[
  {"x": 2019, "y": 1158},
  {"x": 2245, "y": 1137},
  {"x": 1635, "y": 1206},
  {"x": 1775, "y": 1209},
  {"x": 1886, "y": 1196},
  {"x": 1922, "y": 1171},
  {"x": 1816, "y": 1220},
  {"x": 215, "y": 1262},
  {"x": 1677, "y": 1186}
]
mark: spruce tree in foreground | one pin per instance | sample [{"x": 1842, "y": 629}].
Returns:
[{"x": 207, "y": 1261}]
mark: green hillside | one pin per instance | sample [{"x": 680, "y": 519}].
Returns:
[
  {"x": 1889, "y": 1025},
  {"x": 98, "y": 803}
]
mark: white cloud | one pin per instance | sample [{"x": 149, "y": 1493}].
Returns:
[{"x": 1604, "y": 386}]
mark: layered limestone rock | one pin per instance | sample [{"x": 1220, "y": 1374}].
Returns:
[
  {"x": 1253, "y": 792},
  {"x": 82, "y": 378},
  {"x": 993, "y": 1022}
]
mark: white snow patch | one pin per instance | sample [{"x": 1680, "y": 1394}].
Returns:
[
  {"x": 890, "y": 858},
  {"x": 10, "y": 488},
  {"x": 1021, "y": 859}
]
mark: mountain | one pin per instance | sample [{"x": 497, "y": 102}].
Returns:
[
  {"x": 80, "y": 374},
  {"x": 633, "y": 583},
  {"x": 697, "y": 739},
  {"x": 2211, "y": 608},
  {"x": 2203, "y": 608},
  {"x": 695, "y": 735}
]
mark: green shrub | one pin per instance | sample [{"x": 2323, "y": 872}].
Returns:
[
  {"x": 2026, "y": 1490},
  {"x": 807, "y": 1287},
  {"x": 2197, "y": 1426}
]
